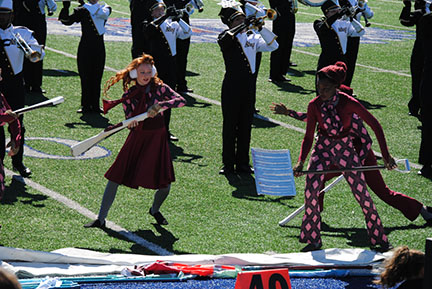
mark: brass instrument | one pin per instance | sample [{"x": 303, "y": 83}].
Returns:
[
  {"x": 189, "y": 9},
  {"x": 271, "y": 14},
  {"x": 30, "y": 54}
]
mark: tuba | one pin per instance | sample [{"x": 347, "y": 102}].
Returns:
[{"x": 30, "y": 54}]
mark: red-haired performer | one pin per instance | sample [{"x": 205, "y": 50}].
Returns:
[
  {"x": 145, "y": 159},
  {"x": 332, "y": 110}
]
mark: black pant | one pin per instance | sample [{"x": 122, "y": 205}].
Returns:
[
  {"x": 13, "y": 90},
  {"x": 416, "y": 67},
  {"x": 237, "y": 111},
  {"x": 166, "y": 67},
  {"x": 181, "y": 58},
  {"x": 91, "y": 63},
  {"x": 284, "y": 28},
  {"x": 351, "y": 58}
]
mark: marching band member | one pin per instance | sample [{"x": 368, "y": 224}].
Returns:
[
  {"x": 409, "y": 207},
  {"x": 31, "y": 14},
  {"x": 7, "y": 116},
  {"x": 332, "y": 112},
  {"x": 410, "y": 18},
  {"x": 16, "y": 44},
  {"x": 361, "y": 10},
  {"x": 239, "y": 47},
  {"x": 284, "y": 28},
  {"x": 182, "y": 46},
  {"x": 91, "y": 50},
  {"x": 162, "y": 32},
  {"x": 333, "y": 32},
  {"x": 145, "y": 159}
]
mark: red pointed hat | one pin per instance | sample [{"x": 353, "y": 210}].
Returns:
[{"x": 336, "y": 72}]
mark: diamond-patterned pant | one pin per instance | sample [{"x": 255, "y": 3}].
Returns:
[{"x": 338, "y": 152}]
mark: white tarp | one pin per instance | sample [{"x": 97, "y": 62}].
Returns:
[{"x": 78, "y": 262}]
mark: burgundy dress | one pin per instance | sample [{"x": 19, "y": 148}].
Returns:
[{"x": 145, "y": 159}]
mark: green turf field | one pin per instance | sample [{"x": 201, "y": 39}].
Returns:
[{"x": 207, "y": 212}]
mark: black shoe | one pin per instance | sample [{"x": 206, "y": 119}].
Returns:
[
  {"x": 226, "y": 170},
  {"x": 38, "y": 90},
  {"x": 293, "y": 64},
  {"x": 256, "y": 110},
  {"x": 279, "y": 79},
  {"x": 311, "y": 247},
  {"x": 244, "y": 169},
  {"x": 95, "y": 224},
  {"x": 382, "y": 248},
  {"x": 22, "y": 170},
  {"x": 172, "y": 137},
  {"x": 159, "y": 218},
  {"x": 426, "y": 171},
  {"x": 84, "y": 110}
]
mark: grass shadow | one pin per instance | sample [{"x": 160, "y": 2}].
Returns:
[
  {"x": 290, "y": 87},
  {"x": 192, "y": 102},
  {"x": 94, "y": 120},
  {"x": 34, "y": 97},
  {"x": 191, "y": 73},
  {"x": 178, "y": 155},
  {"x": 17, "y": 190},
  {"x": 258, "y": 122},
  {"x": 165, "y": 239},
  {"x": 369, "y": 105},
  {"x": 356, "y": 237},
  {"x": 59, "y": 73}
]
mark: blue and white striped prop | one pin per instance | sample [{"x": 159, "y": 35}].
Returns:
[{"x": 273, "y": 172}]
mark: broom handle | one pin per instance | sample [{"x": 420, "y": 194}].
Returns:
[{"x": 365, "y": 168}]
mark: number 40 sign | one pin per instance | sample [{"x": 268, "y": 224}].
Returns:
[{"x": 266, "y": 279}]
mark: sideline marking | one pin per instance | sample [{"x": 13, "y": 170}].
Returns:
[
  {"x": 360, "y": 65},
  {"x": 89, "y": 214}
]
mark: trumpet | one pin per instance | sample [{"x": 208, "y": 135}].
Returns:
[
  {"x": 189, "y": 9},
  {"x": 271, "y": 14},
  {"x": 30, "y": 54}
]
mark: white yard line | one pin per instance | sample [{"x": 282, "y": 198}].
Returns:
[
  {"x": 89, "y": 214},
  {"x": 371, "y": 21}
]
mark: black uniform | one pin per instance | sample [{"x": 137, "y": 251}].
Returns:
[
  {"x": 408, "y": 18},
  {"x": 12, "y": 84},
  {"x": 90, "y": 57},
  {"x": 353, "y": 43},
  {"x": 425, "y": 156},
  {"x": 182, "y": 49},
  {"x": 331, "y": 49},
  {"x": 139, "y": 13},
  {"x": 238, "y": 95},
  {"x": 159, "y": 48},
  {"x": 30, "y": 15},
  {"x": 284, "y": 28}
]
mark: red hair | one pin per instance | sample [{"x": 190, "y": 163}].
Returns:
[{"x": 127, "y": 80}]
